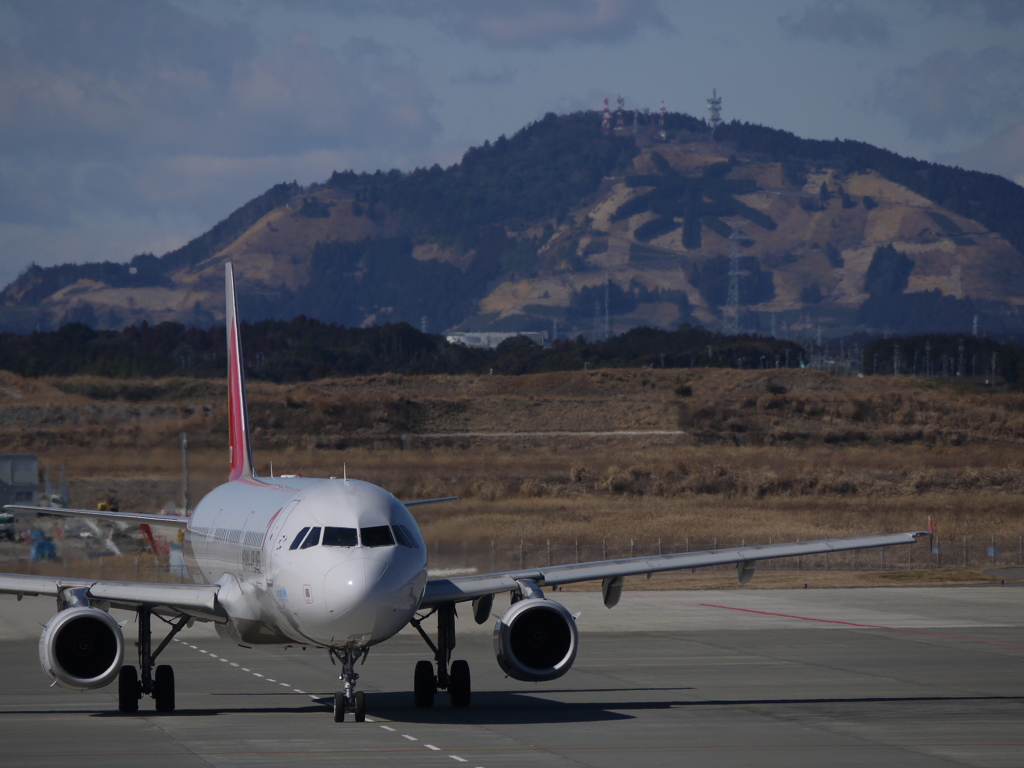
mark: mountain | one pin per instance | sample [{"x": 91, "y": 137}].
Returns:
[{"x": 564, "y": 226}]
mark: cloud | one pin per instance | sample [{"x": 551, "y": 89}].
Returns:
[
  {"x": 843, "y": 22},
  {"x": 537, "y": 24},
  {"x": 543, "y": 23},
  {"x": 114, "y": 110},
  {"x": 1002, "y": 153},
  {"x": 998, "y": 12},
  {"x": 953, "y": 92},
  {"x": 475, "y": 76}
]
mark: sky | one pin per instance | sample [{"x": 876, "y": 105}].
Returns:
[{"x": 132, "y": 126}]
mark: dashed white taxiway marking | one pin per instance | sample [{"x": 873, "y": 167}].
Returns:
[{"x": 297, "y": 690}]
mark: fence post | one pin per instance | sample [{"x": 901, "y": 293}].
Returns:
[
  {"x": 577, "y": 550},
  {"x": 549, "y": 553},
  {"x": 659, "y": 547},
  {"x": 631, "y": 548},
  {"x": 687, "y": 543},
  {"x": 992, "y": 549},
  {"x": 604, "y": 549}
]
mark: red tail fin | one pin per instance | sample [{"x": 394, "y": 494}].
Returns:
[{"x": 238, "y": 412}]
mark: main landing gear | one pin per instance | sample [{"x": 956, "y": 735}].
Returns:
[
  {"x": 452, "y": 676},
  {"x": 130, "y": 688},
  {"x": 349, "y": 700}
]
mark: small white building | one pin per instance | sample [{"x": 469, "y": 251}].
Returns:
[{"x": 489, "y": 339}]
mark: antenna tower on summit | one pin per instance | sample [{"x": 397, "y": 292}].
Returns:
[
  {"x": 715, "y": 108},
  {"x": 606, "y": 119},
  {"x": 661, "y": 122},
  {"x": 620, "y": 115}
]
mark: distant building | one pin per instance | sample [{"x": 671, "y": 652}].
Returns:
[
  {"x": 487, "y": 339},
  {"x": 19, "y": 478}
]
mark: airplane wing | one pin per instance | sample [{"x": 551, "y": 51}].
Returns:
[
  {"x": 133, "y": 518},
  {"x": 461, "y": 588},
  {"x": 429, "y": 501},
  {"x": 196, "y": 600}
]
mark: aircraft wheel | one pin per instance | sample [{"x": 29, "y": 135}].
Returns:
[
  {"x": 459, "y": 683},
  {"x": 339, "y": 707},
  {"x": 128, "y": 689},
  {"x": 424, "y": 684},
  {"x": 359, "y": 706},
  {"x": 163, "y": 688}
]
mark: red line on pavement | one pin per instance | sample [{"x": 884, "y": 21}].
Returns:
[{"x": 849, "y": 623}]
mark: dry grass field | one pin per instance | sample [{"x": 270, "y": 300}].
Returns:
[{"x": 748, "y": 455}]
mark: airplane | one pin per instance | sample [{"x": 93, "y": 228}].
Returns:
[{"x": 335, "y": 564}]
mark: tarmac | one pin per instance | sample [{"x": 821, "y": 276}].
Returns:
[{"x": 927, "y": 676}]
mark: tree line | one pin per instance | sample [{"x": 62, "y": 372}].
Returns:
[{"x": 304, "y": 349}]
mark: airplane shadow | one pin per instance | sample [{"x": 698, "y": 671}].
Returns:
[{"x": 507, "y": 708}]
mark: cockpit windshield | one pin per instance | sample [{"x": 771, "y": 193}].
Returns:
[
  {"x": 340, "y": 537},
  {"x": 312, "y": 540},
  {"x": 377, "y": 536},
  {"x": 405, "y": 537},
  {"x": 373, "y": 536}
]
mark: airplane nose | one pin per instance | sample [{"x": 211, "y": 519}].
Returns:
[
  {"x": 365, "y": 597},
  {"x": 352, "y": 580},
  {"x": 345, "y": 580}
]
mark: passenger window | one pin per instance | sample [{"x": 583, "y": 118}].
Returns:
[
  {"x": 340, "y": 537},
  {"x": 404, "y": 537},
  {"x": 377, "y": 536},
  {"x": 312, "y": 540},
  {"x": 299, "y": 538}
]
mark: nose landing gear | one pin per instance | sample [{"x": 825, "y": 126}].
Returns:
[{"x": 349, "y": 699}]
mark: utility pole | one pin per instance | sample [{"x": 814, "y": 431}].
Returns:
[{"x": 184, "y": 472}]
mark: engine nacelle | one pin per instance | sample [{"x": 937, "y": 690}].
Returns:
[
  {"x": 535, "y": 640},
  {"x": 81, "y": 648}
]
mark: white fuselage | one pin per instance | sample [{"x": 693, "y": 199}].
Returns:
[{"x": 337, "y": 563}]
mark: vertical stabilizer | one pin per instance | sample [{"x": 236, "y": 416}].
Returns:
[{"x": 238, "y": 411}]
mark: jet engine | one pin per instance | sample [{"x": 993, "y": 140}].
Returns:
[
  {"x": 535, "y": 640},
  {"x": 81, "y": 648}
]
